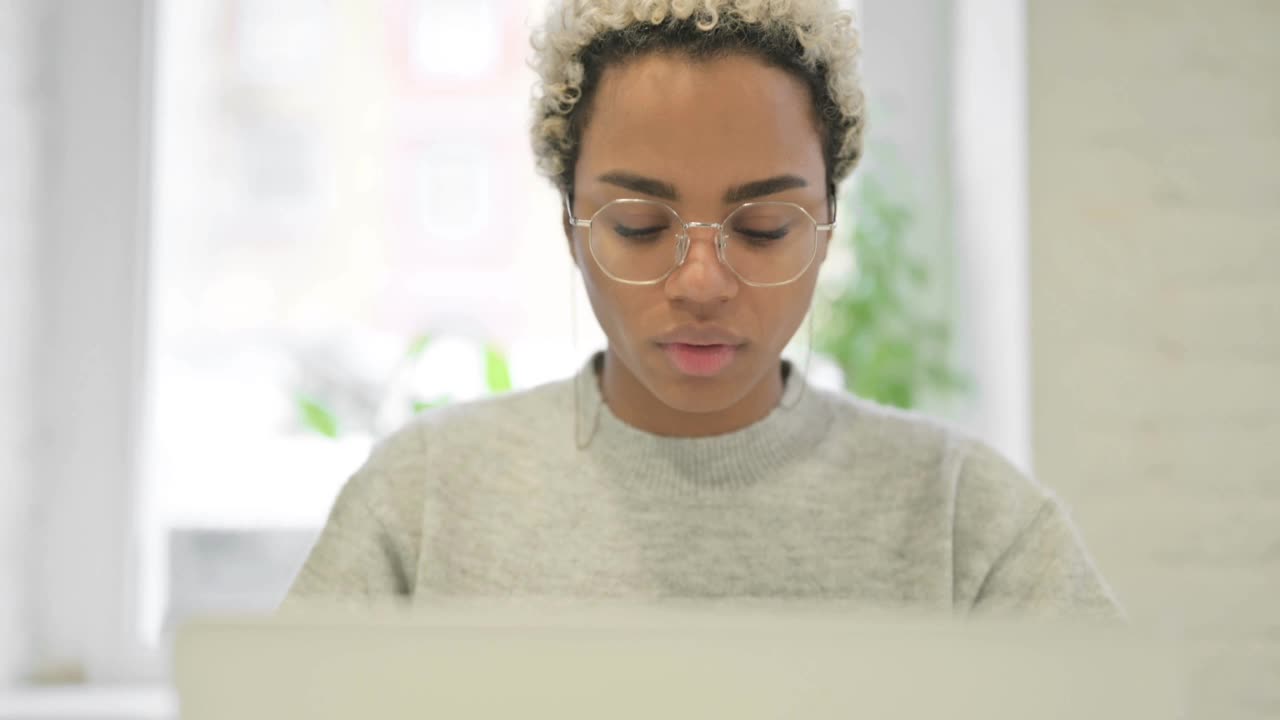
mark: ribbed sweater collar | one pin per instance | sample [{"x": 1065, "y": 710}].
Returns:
[{"x": 754, "y": 454}]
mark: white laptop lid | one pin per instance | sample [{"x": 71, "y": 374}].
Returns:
[{"x": 644, "y": 663}]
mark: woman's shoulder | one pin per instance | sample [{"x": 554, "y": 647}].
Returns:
[
  {"x": 891, "y": 429},
  {"x": 438, "y": 439},
  {"x": 998, "y": 513},
  {"x": 969, "y": 466}
]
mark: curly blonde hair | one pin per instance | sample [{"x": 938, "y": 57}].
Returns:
[{"x": 813, "y": 39}]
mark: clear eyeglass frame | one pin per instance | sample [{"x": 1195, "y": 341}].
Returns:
[{"x": 683, "y": 242}]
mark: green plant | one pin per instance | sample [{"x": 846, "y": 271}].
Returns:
[
  {"x": 890, "y": 349},
  {"x": 318, "y": 416},
  {"x": 497, "y": 372}
]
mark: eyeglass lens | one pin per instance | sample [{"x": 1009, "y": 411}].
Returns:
[{"x": 765, "y": 243}]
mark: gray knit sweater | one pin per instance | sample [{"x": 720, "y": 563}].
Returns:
[{"x": 830, "y": 497}]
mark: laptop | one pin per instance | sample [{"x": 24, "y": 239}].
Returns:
[{"x": 521, "y": 661}]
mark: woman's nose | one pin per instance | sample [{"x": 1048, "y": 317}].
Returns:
[{"x": 702, "y": 277}]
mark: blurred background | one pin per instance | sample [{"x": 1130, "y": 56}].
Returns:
[{"x": 240, "y": 240}]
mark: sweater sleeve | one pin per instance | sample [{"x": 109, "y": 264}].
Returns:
[
  {"x": 1018, "y": 551},
  {"x": 1046, "y": 571},
  {"x": 367, "y": 549}
]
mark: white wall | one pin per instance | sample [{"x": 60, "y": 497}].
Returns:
[
  {"x": 1155, "y": 256},
  {"x": 17, "y": 128}
]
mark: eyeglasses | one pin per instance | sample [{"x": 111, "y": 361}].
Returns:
[{"x": 641, "y": 242}]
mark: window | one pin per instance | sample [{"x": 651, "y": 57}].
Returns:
[
  {"x": 333, "y": 191},
  {"x": 336, "y": 184},
  {"x": 330, "y": 235}
]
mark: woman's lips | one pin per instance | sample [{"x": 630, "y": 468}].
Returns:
[{"x": 700, "y": 360}]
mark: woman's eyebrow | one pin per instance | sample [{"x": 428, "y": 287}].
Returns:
[
  {"x": 641, "y": 184},
  {"x": 760, "y": 188},
  {"x": 735, "y": 194}
]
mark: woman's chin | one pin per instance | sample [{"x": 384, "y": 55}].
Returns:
[{"x": 699, "y": 395}]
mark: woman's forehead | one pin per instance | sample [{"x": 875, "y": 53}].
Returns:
[
  {"x": 722, "y": 122},
  {"x": 670, "y": 95}
]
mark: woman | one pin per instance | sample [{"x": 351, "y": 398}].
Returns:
[{"x": 698, "y": 146}]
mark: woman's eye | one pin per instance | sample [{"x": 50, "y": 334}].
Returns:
[
  {"x": 757, "y": 236},
  {"x": 650, "y": 232}
]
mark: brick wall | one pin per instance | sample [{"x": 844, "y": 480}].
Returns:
[{"x": 1155, "y": 322}]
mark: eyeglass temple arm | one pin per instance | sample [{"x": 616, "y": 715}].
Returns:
[
  {"x": 568, "y": 208},
  {"x": 831, "y": 207}
]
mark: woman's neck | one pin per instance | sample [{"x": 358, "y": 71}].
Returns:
[{"x": 635, "y": 405}]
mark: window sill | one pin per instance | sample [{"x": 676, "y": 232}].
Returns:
[{"x": 88, "y": 702}]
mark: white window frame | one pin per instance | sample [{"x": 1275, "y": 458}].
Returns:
[
  {"x": 17, "y": 229},
  {"x": 990, "y": 211},
  {"x": 94, "y": 76}
]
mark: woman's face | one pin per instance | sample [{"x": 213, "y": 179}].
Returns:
[{"x": 702, "y": 137}]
